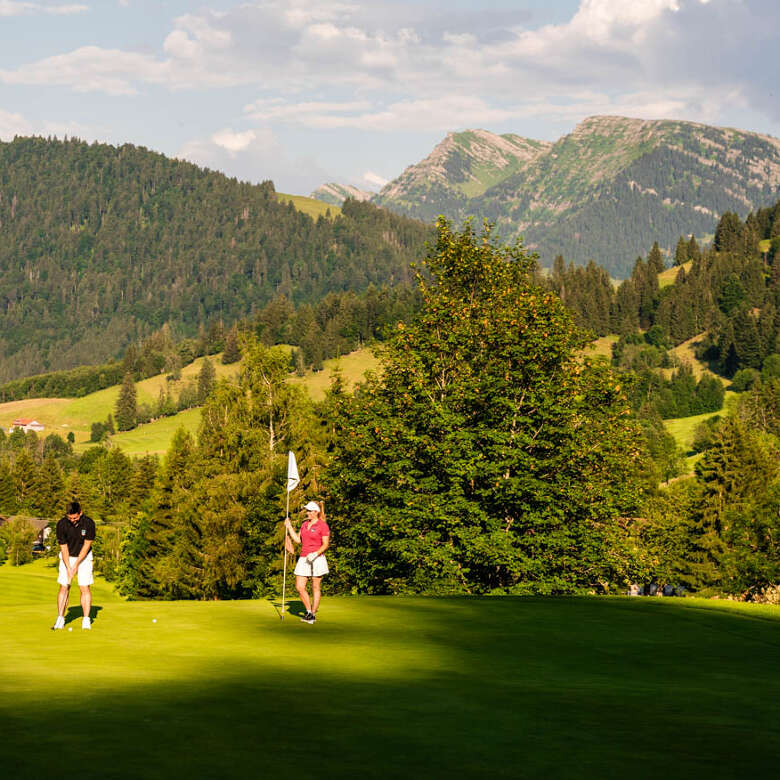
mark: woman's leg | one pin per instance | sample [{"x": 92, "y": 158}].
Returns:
[
  {"x": 316, "y": 582},
  {"x": 300, "y": 586}
]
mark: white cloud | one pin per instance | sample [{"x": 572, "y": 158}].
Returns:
[
  {"x": 233, "y": 142},
  {"x": 331, "y": 64},
  {"x": 19, "y": 8},
  {"x": 254, "y": 159}
]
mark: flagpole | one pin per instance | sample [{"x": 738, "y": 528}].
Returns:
[
  {"x": 293, "y": 479},
  {"x": 284, "y": 547}
]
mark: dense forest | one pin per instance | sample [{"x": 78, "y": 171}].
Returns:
[{"x": 101, "y": 246}]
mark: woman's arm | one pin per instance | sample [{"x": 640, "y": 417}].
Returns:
[{"x": 290, "y": 530}]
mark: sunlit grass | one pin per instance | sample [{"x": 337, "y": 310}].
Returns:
[{"x": 393, "y": 687}]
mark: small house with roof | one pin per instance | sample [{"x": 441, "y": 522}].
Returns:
[{"x": 26, "y": 424}]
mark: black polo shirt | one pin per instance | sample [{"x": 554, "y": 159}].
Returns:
[{"x": 75, "y": 534}]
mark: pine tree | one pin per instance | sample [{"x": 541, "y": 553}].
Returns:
[
  {"x": 126, "y": 405},
  {"x": 206, "y": 378},
  {"x": 655, "y": 260},
  {"x": 232, "y": 353},
  {"x": 8, "y": 504},
  {"x": 681, "y": 252},
  {"x": 49, "y": 489}
]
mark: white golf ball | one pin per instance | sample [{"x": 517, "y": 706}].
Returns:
[
  {"x": 70, "y": 629},
  {"x": 154, "y": 620}
]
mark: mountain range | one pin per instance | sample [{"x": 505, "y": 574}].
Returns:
[{"x": 606, "y": 191}]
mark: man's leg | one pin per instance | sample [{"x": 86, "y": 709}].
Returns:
[
  {"x": 316, "y": 582},
  {"x": 300, "y": 586},
  {"x": 62, "y": 600},
  {"x": 86, "y": 601}
]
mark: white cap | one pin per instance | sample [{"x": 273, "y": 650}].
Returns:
[{"x": 312, "y": 506}]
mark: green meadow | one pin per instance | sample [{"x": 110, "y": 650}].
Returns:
[{"x": 387, "y": 687}]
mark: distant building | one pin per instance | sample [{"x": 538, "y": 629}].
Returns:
[{"x": 26, "y": 424}]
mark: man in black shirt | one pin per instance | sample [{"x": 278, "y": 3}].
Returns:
[{"x": 75, "y": 534}]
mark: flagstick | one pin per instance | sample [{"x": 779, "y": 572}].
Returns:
[{"x": 284, "y": 575}]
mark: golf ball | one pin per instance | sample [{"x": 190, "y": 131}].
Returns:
[{"x": 70, "y": 629}]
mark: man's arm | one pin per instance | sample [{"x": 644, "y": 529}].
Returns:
[
  {"x": 84, "y": 552},
  {"x": 65, "y": 554}
]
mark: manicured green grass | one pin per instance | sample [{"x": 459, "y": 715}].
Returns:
[{"x": 388, "y": 687}]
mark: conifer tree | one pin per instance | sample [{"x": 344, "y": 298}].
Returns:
[
  {"x": 232, "y": 353},
  {"x": 126, "y": 405},
  {"x": 8, "y": 504},
  {"x": 25, "y": 476},
  {"x": 49, "y": 489},
  {"x": 655, "y": 260},
  {"x": 681, "y": 252},
  {"x": 206, "y": 378}
]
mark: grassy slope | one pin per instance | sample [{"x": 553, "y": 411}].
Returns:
[
  {"x": 314, "y": 208},
  {"x": 64, "y": 414},
  {"x": 388, "y": 687},
  {"x": 667, "y": 277}
]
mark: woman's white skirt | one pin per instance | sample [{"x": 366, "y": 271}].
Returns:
[{"x": 317, "y": 568}]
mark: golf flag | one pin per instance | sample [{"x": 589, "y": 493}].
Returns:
[{"x": 292, "y": 472}]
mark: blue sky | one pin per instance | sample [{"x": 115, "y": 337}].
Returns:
[{"x": 303, "y": 92}]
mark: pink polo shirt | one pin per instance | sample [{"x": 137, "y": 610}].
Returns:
[{"x": 311, "y": 536}]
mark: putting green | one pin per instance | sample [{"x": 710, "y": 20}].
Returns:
[{"x": 387, "y": 687}]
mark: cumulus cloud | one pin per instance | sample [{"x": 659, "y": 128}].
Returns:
[
  {"x": 233, "y": 142},
  {"x": 387, "y": 65}
]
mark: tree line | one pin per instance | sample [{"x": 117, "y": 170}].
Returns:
[{"x": 489, "y": 456}]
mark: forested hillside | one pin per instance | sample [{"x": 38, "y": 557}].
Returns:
[
  {"x": 604, "y": 192},
  {"x": 100, "y": 246}
]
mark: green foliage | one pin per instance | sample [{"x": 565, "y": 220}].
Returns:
[
  {"x": 126, "y": 405},
  {"x": 206, "y": 378},
  {"x": 16, "y": 538},
  {"x": 487, "y": 456}
]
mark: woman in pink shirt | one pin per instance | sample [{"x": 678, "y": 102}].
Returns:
[{"x": 314, "y": 538}]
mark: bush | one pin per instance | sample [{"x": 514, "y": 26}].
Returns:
[
  {"x": 771, "y": 367},
  {"x": 744, "y": 380}
]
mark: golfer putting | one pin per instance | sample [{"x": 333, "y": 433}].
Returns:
[
  {"x": 314, "y": 538},
  {"x": 75, "y": 534}
]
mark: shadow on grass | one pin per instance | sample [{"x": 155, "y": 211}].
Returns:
[
  {"x": 76, "y": 613},
  {"x": 292, "y": 607},
  {"x": 554, "y": 688}
]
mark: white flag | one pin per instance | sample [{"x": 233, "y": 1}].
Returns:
[{"x": 292, "y": 472}]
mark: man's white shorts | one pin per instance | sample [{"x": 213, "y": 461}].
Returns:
[
  {"x": 83, "y": 575},
  {"x": 318, "y": 568}
]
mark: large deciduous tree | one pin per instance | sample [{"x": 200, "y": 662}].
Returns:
[{"x": 489, "y": 455}]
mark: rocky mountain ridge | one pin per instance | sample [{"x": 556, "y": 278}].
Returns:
[{"x": 605, "y": 191}]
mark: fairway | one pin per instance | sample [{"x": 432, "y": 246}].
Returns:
[{"x": 388, "y": 687}]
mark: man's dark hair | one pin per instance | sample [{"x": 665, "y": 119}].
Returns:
[{"x": 73, "y": 508}]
